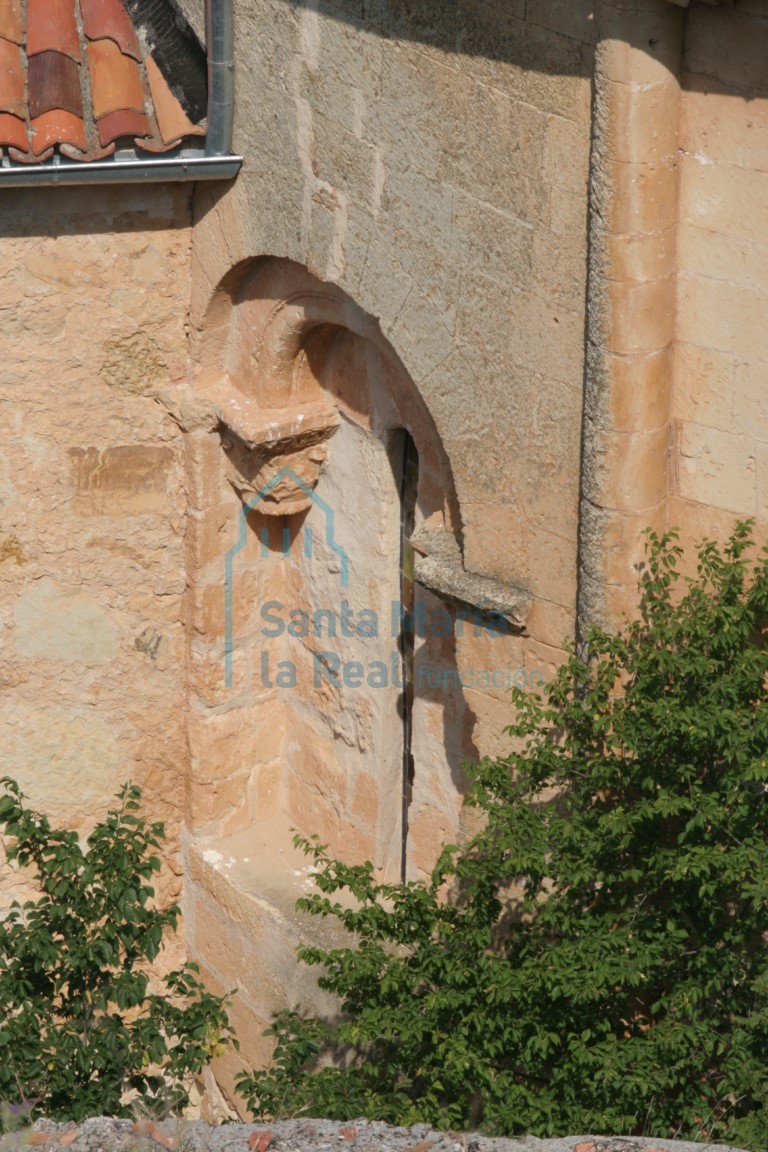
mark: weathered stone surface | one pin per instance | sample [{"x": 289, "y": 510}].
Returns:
[
  {"x": 83, "y": 707},
  {"x": 431, "y": 161},
  {"x": 58, "y": 623},
  {"x": 134, "y": 364},
  {"x": 128, "y": 480},
  {"x": 66, "y": 760}
]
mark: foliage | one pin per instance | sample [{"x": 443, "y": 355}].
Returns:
[
  {"x": 600, "y": 965},
  {"x": 79, "y": 1025}
]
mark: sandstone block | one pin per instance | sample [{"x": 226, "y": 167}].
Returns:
[
  {"x": 698, "y": 522},
  {"x": 128, "y": 480},
  {"x": 615, "y": 543},
  {"x": 7, "y": 489},
  {"x": 206, "y": 675},
  {"x": 639, "y": 390},
  {"x": 645, "y": 42},
  {"x": 66, "y": 760},
  {"x": 723, "y": 317},
  {"x": 750, "y": 400},
  {"x": 365, "y": 800},
  {"x": 235, "y": 741},
  {"x": 712, "y": 196},
  {"x": 497, "y": 245},
  {"x": 544, "y": 338},
  {"x": 42, "y": 265},
  {"x": 565, "y": 18},
  {"x": 632, "y": 256},
  {"x": 641, "y": 197},
  {"x": 212, "y": 803},
  {"x": 203, "y": 469},
  {"x": 704, "y": 387},
  {"x": 541, "y": 661},
  {"x": 551, "y": 624},
  {"x": 134, "y": 365},
  {"x": 641, "y": 122},
  {"x": 729, "y": 130},
  {"x": 527, "y": 61},
  {"x": 267, "y": 786},
  {"x": 729, "y": 46},
  {"x": 421, "y": 335},
  {"x": 641, "y": 315},
  {"x": 718, "y": 468},
  {"x": 347, "y": 81},
  {"x": 345, "y": 161},
  {"x": 629, "y": 469},
  {"x": 493, "y": 670},
  {"x": 761, "y": 453},
  {"x": 429, "y": 829},
  {"x": 552, "y": 562},
  {"x": 210, "y": 535},
  {"x": 720, "y": 256},
  {"x": 66, "y": 624}
]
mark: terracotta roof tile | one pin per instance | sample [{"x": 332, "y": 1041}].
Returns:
[
  {"x": 57, "y": 127},
  {"x": 51, "y": 27},
  {"x": 11, "y": 80},
  {"x": 108, "y": 20},
  {"x": 30, "y": 157},
  {"x": 54, "y": 82},
  {"x": 13, "y": 130},
  {"x": 126, "y": 122},
  {"x": 82, "y": 92},
  {"x": 172, "y": 120},
  {"x": 115, "y": 79},
  {"x": 10, "y": 20}
]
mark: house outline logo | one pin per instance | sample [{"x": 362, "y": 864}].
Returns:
[{"x": 229, "y": 558}]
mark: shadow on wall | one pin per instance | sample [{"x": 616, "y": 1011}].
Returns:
[
  {"x": 512, "y": 31},
  {"x": 99, "y": 210},
  {"x": 725, "y": 47}
]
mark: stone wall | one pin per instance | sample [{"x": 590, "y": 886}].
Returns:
[
  {"x": 431, "y": 163},
  {"x": 720, "y": 460},
  {"x": 94, "y": 305}
]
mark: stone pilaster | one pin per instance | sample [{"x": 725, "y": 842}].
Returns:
[{"x": 631, "y": 317}]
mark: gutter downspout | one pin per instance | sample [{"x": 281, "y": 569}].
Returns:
[
  {"x": 220, "y": 47},
  {"x": 218, "y": 161}
]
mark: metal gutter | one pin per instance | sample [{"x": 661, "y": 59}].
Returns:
[
  {"x": 130, "y": 171},
  {"x": 217, "y": 162},
  {"x": 121, "y": 171}
]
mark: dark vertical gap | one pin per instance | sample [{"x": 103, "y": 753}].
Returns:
[
  {"x": 409, "y": 483},
  {"x": 176, "y": 50}
]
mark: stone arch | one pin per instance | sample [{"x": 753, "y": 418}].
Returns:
[
  {"x": 277, "y": 338},
  {"x": 290, "y": 373},
  {"x": 295, "y": 403}
]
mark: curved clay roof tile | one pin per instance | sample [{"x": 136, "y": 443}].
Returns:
[
  {"x": 54, "y": 82},
  {"x": 57, "y": 127},
  {"x": 108, "y": 20},
  {"x": 13, "y": 131},
  {"x": 115, "y": 125},
  {"x": 50, "y": 99},
  {"x": 10, "y": 20},
  {"x": 51, "y": 27},
  {"x": 115, "y": 80},
  {"x": 11, "y": 80}
]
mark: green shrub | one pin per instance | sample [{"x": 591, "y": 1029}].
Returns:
[
  {"x": 79, "y": 1026},
  {"x": 600, "y": 965}
]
